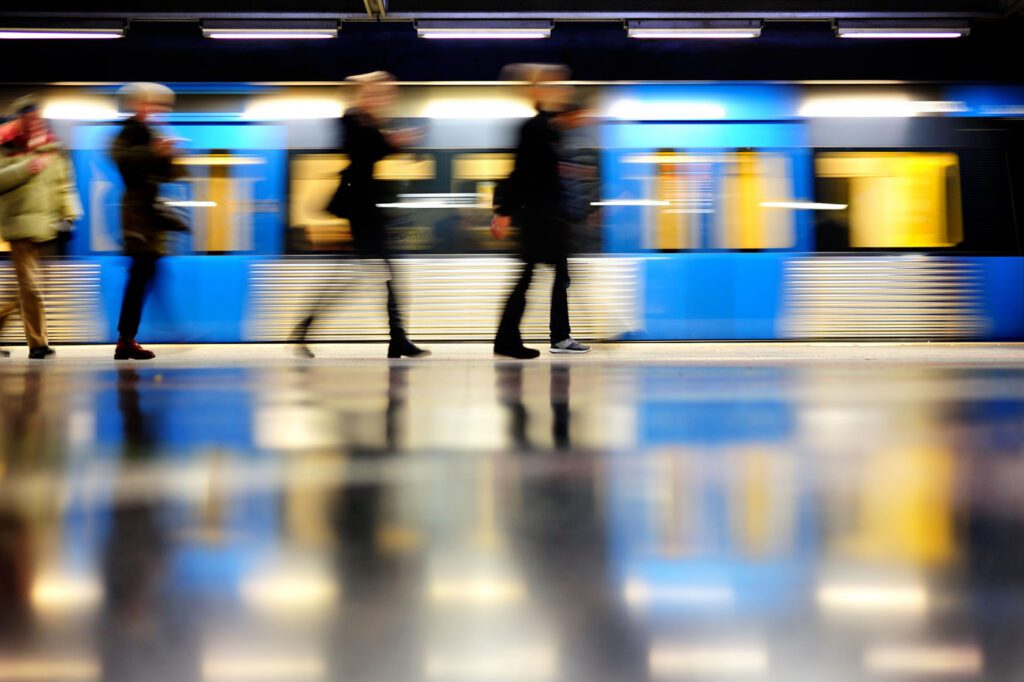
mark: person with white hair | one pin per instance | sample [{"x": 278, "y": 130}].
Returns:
[
  {"x": 145, "y": 159},
  {"x": 360, "y": 195}
]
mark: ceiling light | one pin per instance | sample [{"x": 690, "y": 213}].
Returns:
[
  {"x": 483, "y": 30},
  {"x": 901, "y": 30},
  {"x": 264, "y": 30},
  {"x": 80, "y": 30},
  {"x": 674, "y": 30}
]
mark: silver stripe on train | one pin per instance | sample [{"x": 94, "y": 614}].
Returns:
[
  {"x": 442, "y": 298},
  {"x": 71, "y": 295},
  {"x": 906, "y": 297}
]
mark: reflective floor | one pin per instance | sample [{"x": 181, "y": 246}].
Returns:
[{"x": 359, "y": 520}]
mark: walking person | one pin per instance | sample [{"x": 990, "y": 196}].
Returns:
[
  {"x": 534, "y": 195},
  {"x": 145, "y": 159},
  {"x": 37, "y": 200},
  {"x": 365, "y": 141}
]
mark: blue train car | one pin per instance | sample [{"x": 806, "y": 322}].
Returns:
[{"x": 727, "y": 212}]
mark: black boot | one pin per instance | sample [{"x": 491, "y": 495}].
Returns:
[
  {"x": 41, "y": 353},
  {"x": 403, "y": 347},
  {"x": 516, "y": 351}
]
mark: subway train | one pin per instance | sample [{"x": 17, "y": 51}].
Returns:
[{"x": 726, "y": 211}]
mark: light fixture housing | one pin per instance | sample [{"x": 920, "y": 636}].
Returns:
[
  {"x": 682, "y": 30},
  {"x": 97, "y": 29},
  {"x": 898, "y": 30},
  {"x": 270, "y": 30},
  {"x": 483, "y": 30}
]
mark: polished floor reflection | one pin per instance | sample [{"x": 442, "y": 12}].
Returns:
[{"x": 465, "y": 521}]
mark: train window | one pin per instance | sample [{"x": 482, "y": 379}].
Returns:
[
  {"x": 712, "y": 199},
  {"x": 892, "y": 199},
  {"x": 220, "y": 196},
  {"x": 314, "y": 178}
]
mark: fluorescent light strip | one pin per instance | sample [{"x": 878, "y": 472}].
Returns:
[
  {"x": 60, "y": 34},
  {"x": 484, "y": 34},
  {"x": 629, "y": 202},
  {"x": 686, "y": 34},
  {"x": 191, "y": 204},
  {"x": 804, "y": 205},
  {"x": 863, "y": 33},
  {"x": 269, "y": 34}
]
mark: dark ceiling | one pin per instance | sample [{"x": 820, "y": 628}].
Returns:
[
  {"x": 566, "y": 9},
  {"x": 164, "y": 42}
]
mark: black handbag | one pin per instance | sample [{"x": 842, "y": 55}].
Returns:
[{"x": 340, "y": 204}]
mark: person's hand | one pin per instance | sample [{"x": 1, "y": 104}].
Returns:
[
  {"x": 406, "y": 137},
  {"x": 38, "y": 163},
  {"x": 164, "y": 146},
  {"x": 500, "y": 225}
]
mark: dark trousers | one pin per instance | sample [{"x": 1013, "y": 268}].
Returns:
[
  {"x": 512, "y": 316},
  {"x": 140, "y": 280},
  {"x": 329, "y": 294}
]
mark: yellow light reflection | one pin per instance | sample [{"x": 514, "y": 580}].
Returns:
[
  {"x": 924, "y": 660},
  {"x": 218, "y": 668},
  {"x": 674, "y": 660},
  {"x": 27, "y": 670},
  {"x": 63, "y": 593}
]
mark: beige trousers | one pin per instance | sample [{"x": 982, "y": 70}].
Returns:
[{"x": 29, "y": 300}]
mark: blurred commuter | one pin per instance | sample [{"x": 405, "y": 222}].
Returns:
[
  {"x": 359, "y": 195},
  {"x": 37, "y": 201},
  {"x": 145, "y": 159},
  {"x": 535, "y": 196},
  {"x": 579, "y": 173}
]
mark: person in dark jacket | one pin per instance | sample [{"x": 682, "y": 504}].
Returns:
[
  {"x": 359, "y": 198},
  {"x": 144, "y": 159},
  {"x": 534, "y": 194}
]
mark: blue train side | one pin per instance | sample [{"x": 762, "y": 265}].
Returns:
[{"x": 691, "y": 245}]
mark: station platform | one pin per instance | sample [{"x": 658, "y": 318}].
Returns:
[{"x": 692, "y": 511}]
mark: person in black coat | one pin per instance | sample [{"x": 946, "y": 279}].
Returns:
[
  {"x": 360, "y": 195},
  {"x": 144, "y": 159},
  {"x": 534, "y": 196}
]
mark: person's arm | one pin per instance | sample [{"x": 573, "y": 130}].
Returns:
[
  {"x": 70, "y": 205},
  {"x": 14, "y": 174},
  {"x": 139, "y": 160}
]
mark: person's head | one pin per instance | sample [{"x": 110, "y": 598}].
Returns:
[
  {"x": 144, "y": 100},
  {"x": 25, "y": 110},
  {"x": 375, "y": 91},
  {"x": 545, "y": 86}
]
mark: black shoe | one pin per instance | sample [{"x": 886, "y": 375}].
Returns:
[
  {"x": 303, "y": 351},
  {"x": 5, "y": 353},
  {"x": 41, "y": 353},
  {"x": 570, "y": 345},
  {"x": 405, "y": 348},
  {"x": 519, "y": 352},
  {"x": 130, "y": 350}
]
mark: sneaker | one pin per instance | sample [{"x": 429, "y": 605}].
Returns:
[
  {"x": 519, "y": 352},
  {"x": 131, "y": 350},
  {"x": 41, "y": 353},
  {"x": 570, "y": 345}
]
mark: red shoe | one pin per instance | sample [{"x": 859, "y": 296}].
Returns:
[{"x": 130, "y": 350}]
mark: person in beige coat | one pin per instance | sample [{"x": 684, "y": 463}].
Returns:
[{"x": 37, "y": 196}]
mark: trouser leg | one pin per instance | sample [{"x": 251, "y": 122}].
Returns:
[
  {"x": 511, "y": 317},
  {"x": 395, "y": 327},
  {"x": 140, "y": 281},
  {"x": 560, "y": 330},
  {"x": 30, "y": 297}
]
